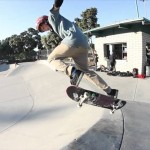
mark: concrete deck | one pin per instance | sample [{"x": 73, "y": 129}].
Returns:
[{"x": 36, "y": 114}]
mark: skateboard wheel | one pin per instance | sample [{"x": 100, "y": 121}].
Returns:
[
  {"x": 86, "y": 95},
  {"x": 79, "y": 105},
  {"x": 111, "y": 112}
]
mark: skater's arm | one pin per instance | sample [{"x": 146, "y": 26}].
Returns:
[{"x": 54, "y": 12}]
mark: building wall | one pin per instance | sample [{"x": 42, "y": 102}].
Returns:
[{"x": 134, "y": 50}]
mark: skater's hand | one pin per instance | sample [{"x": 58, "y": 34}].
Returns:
[{"x": 58, "y": 3}]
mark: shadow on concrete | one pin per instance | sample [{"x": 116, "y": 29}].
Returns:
[
  {"x": 104, "y": 135},
  {"x": 136, "y": 126},
  {"x": 41, "y": 114},
  {"x": 45, "y": 113},
  {"x": 12, "y": 117},
  {"x": 107, "y": 134},
  {"x": 4, "y": 67}
]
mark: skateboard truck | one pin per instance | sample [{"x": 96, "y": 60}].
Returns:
[
  {"x": 119, "y": 104},
  {"x": 83, "y": 98},
  {"x": 116, "y": 104}
]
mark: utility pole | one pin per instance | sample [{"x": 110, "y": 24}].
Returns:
[{"x": 137, "y": 9}]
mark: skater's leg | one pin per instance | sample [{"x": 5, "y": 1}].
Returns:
[
  {"x": 81, "y": 61},
  {"x": 94, "y": 78},
  {"x": 58, "y": 65},
  {"x": 55, "y": 59}
]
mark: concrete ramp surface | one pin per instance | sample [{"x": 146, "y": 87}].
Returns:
[{"x": 36, "y": 114}]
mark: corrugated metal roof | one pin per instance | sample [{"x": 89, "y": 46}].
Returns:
[{"x": 126, "y": 22}]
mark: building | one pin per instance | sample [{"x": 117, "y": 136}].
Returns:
[{"x": 128, "y": 39}]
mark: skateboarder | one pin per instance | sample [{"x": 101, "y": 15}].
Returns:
[{"x": 74, "y": 44}]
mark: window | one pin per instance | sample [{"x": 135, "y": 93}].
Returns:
[{"x": 119, "y": 49}]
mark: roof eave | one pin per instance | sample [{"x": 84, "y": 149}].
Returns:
[{"x": 144, "y": 21}]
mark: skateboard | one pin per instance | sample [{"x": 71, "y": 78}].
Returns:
[{"x": 81, "y": 96}]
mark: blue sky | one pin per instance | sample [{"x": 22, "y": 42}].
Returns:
[{"x": 18, "y": 15}]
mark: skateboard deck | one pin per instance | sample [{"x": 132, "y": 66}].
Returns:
[{"x": 81, "y": 96}]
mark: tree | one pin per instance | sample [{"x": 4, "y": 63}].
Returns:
[
  {"x": 36, "y": 37},
  {"x": 20, "y": 46},
  {"x": 24, "y": 44},
  {"x": 51, "y": 40},
  {"x": 29, "y": 38},
  {"x": 6, "y": 50},
  {"x": 88, "y": 20},
  {"x": 16, "y": 43}
]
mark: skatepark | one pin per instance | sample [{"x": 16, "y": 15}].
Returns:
[{"x": 37, "y": 114}]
